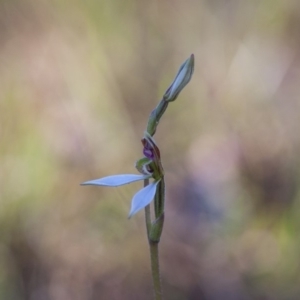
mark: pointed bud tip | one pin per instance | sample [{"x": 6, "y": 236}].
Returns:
[
  {"x": 192, "y": 57},
  {"x": 182, "y": 78}
]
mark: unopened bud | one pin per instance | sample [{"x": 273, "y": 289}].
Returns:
[{"x": 182, "y": 78}]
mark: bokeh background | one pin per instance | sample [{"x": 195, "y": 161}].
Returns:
[{"x": 78, "y": 80}]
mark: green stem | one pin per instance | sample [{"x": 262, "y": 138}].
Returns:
[
  {"x": 155, "y": 116},
  {"x": 153, "y": 246},
  {"x": 155, "y": 270},
  {"x": 159, "y": 200}
]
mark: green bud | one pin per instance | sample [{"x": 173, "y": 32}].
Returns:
[{"x": 182, "y": 78}]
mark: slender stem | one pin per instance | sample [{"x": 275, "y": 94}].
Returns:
[
  {"x": 154, "y": 256},
  {"x": 155, "y": 116},
  {"x": 159, "y": 200},
  {"x": 155, "y": 270}
]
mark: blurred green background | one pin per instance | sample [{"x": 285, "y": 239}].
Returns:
[{"x": 78, "y": 80}]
